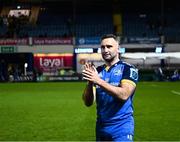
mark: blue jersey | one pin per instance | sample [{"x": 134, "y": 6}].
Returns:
[{"x": 114, "y": 116}]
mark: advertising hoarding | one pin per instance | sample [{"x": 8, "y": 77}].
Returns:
[{"x": 51, "y": 64}]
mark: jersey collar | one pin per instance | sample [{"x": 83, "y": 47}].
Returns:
[{"x": 107, "y": 68}]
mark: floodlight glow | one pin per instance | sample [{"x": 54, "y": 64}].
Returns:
[
  {"x": 25, "y": 65},
  {"x": 158, "y": 50},
  {"x": 122, "y": 50},
  {"x": 18, "y": 7}
]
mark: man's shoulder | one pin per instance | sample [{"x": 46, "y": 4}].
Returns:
[
  {"x": 130, "y": 71},
  {"x": 128, "y": 64},
  {"x": 100, "y": 68}
]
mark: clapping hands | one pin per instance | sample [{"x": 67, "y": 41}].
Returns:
[{"x": 90, "y": 73}]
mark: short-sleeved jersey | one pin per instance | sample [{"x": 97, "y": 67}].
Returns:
[{"x": 111, "y": 110}]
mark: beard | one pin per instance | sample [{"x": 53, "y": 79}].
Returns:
[{"x": 108, "y": 59}]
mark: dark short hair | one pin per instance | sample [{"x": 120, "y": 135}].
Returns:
[{"x": 109, "y": 36}]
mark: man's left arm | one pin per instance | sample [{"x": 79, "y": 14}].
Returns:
[{"x": 123, "y": 91}]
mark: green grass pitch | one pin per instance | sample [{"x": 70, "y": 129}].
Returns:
[{"x": 55, "y": 112}]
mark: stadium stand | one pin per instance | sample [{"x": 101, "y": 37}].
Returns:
[
  {"x": 137, "y": 23},
  {"x": 61, "y": 19},
  {"x": 63, "y": 25}
]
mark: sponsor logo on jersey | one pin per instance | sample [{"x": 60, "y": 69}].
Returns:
[
  {"x": 117, "y": 72},
  {"x": 115, "y": 83},
  {"x": 133, "y": 74},
  {"x": 130, "y": 137},
  {"x": 107, "y": 79}
]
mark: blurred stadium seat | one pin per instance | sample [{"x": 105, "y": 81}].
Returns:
[
  {"x": 90, "y": 18},
  {"x": 136, "y": 22}
]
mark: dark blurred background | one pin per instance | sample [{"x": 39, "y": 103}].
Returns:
[{"x": 37, "y": 36}]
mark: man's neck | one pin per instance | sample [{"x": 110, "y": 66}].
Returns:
[{"x": 109, "y": 64}]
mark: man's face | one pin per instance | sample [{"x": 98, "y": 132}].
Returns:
[{"x": 109, "y": 49}]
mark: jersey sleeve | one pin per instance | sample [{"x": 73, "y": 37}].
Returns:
[{"x": 130, "y": 75}]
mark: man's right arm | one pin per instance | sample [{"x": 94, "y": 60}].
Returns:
[{"x": 88, "y": 96}]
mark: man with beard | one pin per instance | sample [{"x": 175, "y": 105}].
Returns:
[{"x": 115, "y": 84}]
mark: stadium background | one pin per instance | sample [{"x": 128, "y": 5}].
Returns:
[{"x": 43, "y": 41}]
